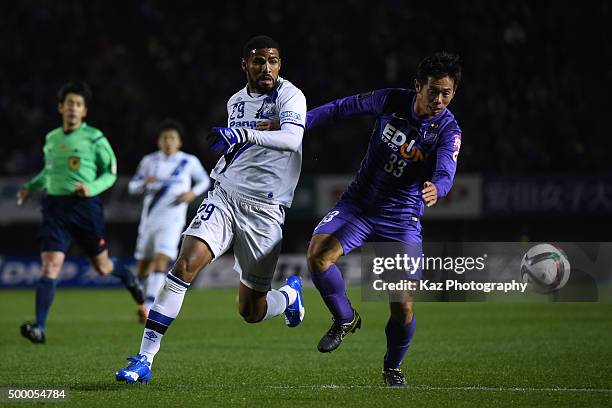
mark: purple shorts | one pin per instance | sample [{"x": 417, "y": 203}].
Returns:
[{"x": 353, "y": 227}]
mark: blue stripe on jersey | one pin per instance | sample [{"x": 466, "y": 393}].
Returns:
[
  {"x": 97, "y": 139},
  {"x": 160, "y": 318},
  {"x": 162, "y": 191},
  {"x": 158, "y": 195},
  {"x": 274, "y": 95},
  {"x": 235, "y": 156},
  {"x": 178, "y": 281}
]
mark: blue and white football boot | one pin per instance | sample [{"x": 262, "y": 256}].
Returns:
[
  {"x": 139, "y": 370},
  {"x": 294, "y": 314}
]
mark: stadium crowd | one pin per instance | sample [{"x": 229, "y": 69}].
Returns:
[{"x": 532, "y": 97}]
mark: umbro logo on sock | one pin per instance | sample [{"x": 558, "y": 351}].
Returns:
[{"x": 150, "y": 335}]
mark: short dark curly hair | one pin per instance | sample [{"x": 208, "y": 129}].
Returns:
[
  {"x": 438, "y": 66},
  {"x": 170, "y": 124},
  {"x": 257, "y": 42},
  {"x": 75, "y": 87}
]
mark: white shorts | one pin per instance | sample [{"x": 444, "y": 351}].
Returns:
[
  {"x": 255, "y": 228},
  {"x": 158, "y": 239}
]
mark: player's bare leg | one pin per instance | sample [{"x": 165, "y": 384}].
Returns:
[
  {"x": 144, "y": 267},
  {"x": 152, "y": 274},
  {"x": 323, "y": 252},
  {"x": 105, "y": 266},
  {"x": 252, "y": 304},
  {"x": 161, "y": 262},
  {"x": 255, "y": 306},
  {"x": 102, "y": 263},
  {"x": 194, "y": 255},
  {"x": 52, "y": 262},
  {"x": 399, "y": 331}
]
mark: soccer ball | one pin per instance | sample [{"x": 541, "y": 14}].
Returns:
[{"x": 545, "y": 268}]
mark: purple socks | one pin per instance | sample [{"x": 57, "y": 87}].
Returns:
[
  {"x": 331, "y": 286},
  {"x": 398, "y": 341}
]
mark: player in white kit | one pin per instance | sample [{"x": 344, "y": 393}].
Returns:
[
  {"x": 165, "y": 178},
  {"x": 255, "y": 181}
]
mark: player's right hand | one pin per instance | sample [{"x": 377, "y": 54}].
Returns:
[
  {"x": 430, "y": 193},
  {"x": 224, "y": 139},
  {"x": 273, "y": 124},
  {"x": 22, "y": 196}
]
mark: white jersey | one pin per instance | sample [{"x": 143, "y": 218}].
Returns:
[
  {"x": 174, "y": 175},
  {"x": 265, "y": 168}
]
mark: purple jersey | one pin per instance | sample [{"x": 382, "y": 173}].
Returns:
[{"x": 404, "y": 151}]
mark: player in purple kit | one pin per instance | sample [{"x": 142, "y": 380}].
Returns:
[{"x": 410, "y": 162}]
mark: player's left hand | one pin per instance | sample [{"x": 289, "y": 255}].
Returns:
[
  {"x": 81, "y": 190},
  {"x": 186, "y": 197},
  {"x": 430, "y": 193},
  {"x": 224, "y": 139}
]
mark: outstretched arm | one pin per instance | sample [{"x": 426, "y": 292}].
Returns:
[
  {"x": 284, "y": 135},
  {"x": 446, "y": 163},
  {"x": 369, "y": 103},
  {"x": 107, "y": 170},
  {"x": 290, "y": 131},
  {"x": 37, "y": 183},
  {"x": 200, "y": 176},
  {"x": 138, "y": 183}
]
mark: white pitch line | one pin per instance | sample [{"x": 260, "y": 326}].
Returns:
[
  {"x": 513, "y": 389},
  {"x": 415, "y": 386}
]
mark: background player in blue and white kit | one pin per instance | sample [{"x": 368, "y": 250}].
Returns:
[
  {"x": 165, "y": 178},
  {"x": 255, "y": 181},
  {"x": 410, "y": 162}
]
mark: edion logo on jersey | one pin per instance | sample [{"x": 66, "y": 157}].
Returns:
[{"x": 397, "y": 140}]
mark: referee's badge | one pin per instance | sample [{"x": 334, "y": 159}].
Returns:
[{"x": 74, "y": 163}]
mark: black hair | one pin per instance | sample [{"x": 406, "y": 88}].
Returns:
[
  {"x": 257, "y": 42},
  {"x": 170, "y": 124},
  {"x": 438, "y": 66},
  {"x": 75, "y": 87}
]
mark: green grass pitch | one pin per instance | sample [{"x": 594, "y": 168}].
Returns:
[{"x": 463, "y": 354}]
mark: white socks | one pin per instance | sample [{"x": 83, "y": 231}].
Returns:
[
  {"x": 278, "y": 300},
  {"x": 292, "y": 293},
  {"x": 163, "y": 312},
  {"x": 153, "y": 285}
]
